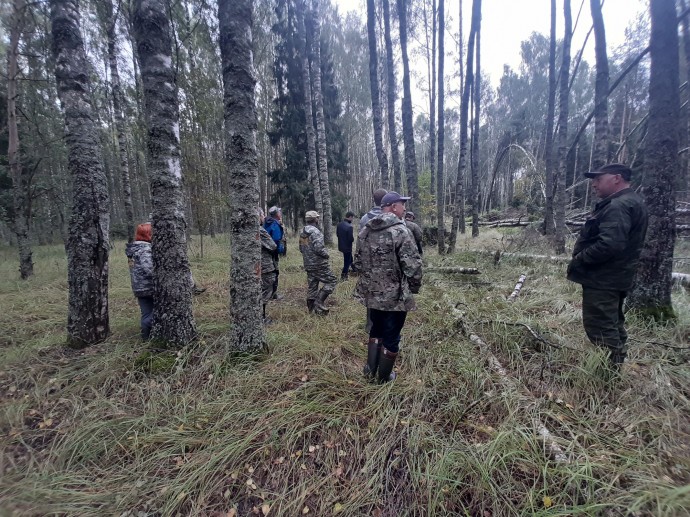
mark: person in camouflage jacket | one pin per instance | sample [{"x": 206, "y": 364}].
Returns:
[
  {"x": 390, "y": 273},
  {"x": 140, "y": 263},
  {"x": 268, "y": 265},
  {"x": 606, "y": 255},
  {"x": 315, "y": 258}
]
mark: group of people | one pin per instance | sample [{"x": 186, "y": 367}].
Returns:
[{"x": 389, "y": 266}]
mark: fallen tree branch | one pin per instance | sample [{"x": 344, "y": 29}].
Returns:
[
  {"x": 460, "y": 270},
  {"x": 518, "y": 288}
]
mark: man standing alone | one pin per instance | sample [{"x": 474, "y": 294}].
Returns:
[
  {"x": 345, "y": 240},
  {"x": 390, "y": 272},
  {"x": 315, "y": 258},
  {"x": 606, "y": 255}
]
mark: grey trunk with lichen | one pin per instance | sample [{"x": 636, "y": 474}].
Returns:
[
  {"x": 377, "y": 114},
  {"x": 173, "y": 318},
  {"x": 549, "y": 225},
  {"x": 440, "y": 194},
  {"x": 390, "y": 97},
  {"x": 116, "y": 90},
  {"x": 308, "y": 117},
  {"x": 652, "y": 291},
  {"x": 87, "y": 242},
  {"x": 235, "y": 23},
  {"x": 407, "y": 122},
  {"x": 20, "y": 189},
  {"x": 563, "y": 101},
  {"x": 326, "y": 216},
  {"x": 601, "y": 88}
]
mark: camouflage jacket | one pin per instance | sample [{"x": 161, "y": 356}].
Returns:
[
  {"x": 608, "y": 249},
  {"x": 417, "y": 234},
  {"x": 140, "y": 268},
  {"x": 312, "y": 248},
  {"x": 389, "y": 263},
  {"x": 268, "y": 248}
]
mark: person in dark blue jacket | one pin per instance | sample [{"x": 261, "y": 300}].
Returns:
[
  {"x": 346, "y": 237},
  {"x": 274, "y": 226}
]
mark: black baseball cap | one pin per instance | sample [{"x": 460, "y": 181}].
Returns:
[
  {"x": 611, "y": 168},
  {"x": 392, "y": 197}
]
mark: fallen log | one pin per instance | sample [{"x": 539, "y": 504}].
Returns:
[
  {"x": 518, "y": 288},
  {"x": 460, "y": 270},
  {"x": 509, "y": 383}
]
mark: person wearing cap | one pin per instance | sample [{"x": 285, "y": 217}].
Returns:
[
  {"x": 415, "y": 230},
  {"x": 268, "y": 265},
  {"x": 606, "y": 255},
  {"x": 315, "y": 257},
  {"x": 345, "y": 236},
  {"x": 274, "y": 226},
  {"x": 390, "y": 273}
]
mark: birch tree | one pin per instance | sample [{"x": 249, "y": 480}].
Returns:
[
  {"x": 377, "y": 114},
  {"x": 475, "y": 130},
  {"x": 440, "y": 197},
  {"x": 601, "y": 88},
  {"x": 88, "y": 241},
  {"x": 173, "y": 319},
  {"x": 549, "y": 225},
  {"x": 390, "y": 97}
]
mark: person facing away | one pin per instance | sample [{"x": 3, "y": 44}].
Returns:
[
  {"x": 606, "y": 255},
  {"x": 268, "y": 265},
  {"x": 274, "y": 226},
  {"x": 345, "y": 236},
  {"x": 415, "y": 230},
  {"x": 140, "y": 262},
  {"x": 390, "y": 273},
  {"x": 375, "y": 210},
  {"x": 315, "y": 258}
]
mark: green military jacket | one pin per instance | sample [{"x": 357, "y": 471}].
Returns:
[
  {"x": 608, "y": 249},
  {"x": 389, "y": 264},
  {"x": 314, "y": 252}
]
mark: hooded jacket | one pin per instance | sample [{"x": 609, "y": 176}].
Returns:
[
  {"x": 312, "y": 248},
  {"x": 608, "y": 249},
  {"x": 390, "y": 265},
  {"x": 277, "y": 233},
  {"x": 140, "y": 268}
]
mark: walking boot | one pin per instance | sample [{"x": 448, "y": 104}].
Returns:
[
  {"x": 343, "y": 278},
  {"x": 373, "y": 350},
  {"x": 320, "y": 303},
  {"x": 310, "y": 305},
  {"x": 267, "y": 321},
  {"x": 386, "y": 363},
  {"x": 616, "y": 360}
]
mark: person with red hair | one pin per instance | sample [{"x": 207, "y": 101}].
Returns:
[{"x": 141, "y": 273}]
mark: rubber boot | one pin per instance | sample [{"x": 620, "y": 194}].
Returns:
[
  {"x": 320, "y": 303},
  {"x": 267, "y": 321},
  {"x": 616, "y": 360},
  {"x": 386, "y": 363},
  {"x": 373, "y": 350},
  {"x": 310, "y": 304}
]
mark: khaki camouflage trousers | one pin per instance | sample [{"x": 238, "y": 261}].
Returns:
[
  {"x": 325, "y": 277},
  {"x": 267, "y": 281}
]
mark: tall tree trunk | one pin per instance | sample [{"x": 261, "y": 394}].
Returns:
[
  {"x": 309, "y": 118},
  {"x": 459, "y": 212},
  {"x": 326, "y": 216},
  {"x": 601, "y": 89},
  {"x": 685, "y": 161},
  {"x": 89, "y": 226},
  {"x": 652, "y": 292},
  {"x": 549, "y": 224},
  {"x": 390, "y": 92},
  {"x": 173, "y": 319},
  {"x": 111, "y": 21},
  {"x": 20, "y": 190},
  {"x": 235, "y": 23},
  {"x": 563, "y": 98},
  {"x": 475, "y": 130},
  {"x": 431, "y": 72},
  {"x": 377, "y": 114},
  {"x": 440, "y": 198},
  {"x": 407, "y": 119}
]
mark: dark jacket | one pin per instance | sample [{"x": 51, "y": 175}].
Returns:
[
  {"x": 275, "y": 230},
  {"x": 140, "y": 268},
  {"x": 608, "y": 249},
  {"x": 417, "y": 234},
  {"x": 345, "y": 236},
  {"x": 374, "y": 212},
  {"x": 389, "y": 264}
]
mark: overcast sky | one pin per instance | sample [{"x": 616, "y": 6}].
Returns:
[{"x": 506, "y": 23}]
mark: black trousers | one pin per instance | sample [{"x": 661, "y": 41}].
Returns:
[
  {"x": 387, "y": 326},
  {"x": 603, "y": 318}
]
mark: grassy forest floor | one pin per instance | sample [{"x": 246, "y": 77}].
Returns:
[{"x": 299, "y": 431}]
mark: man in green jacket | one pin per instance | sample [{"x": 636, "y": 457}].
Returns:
[{"x": 606, "y": 255}]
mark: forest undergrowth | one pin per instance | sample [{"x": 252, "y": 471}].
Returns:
[{"x": 112, "y": 430}]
